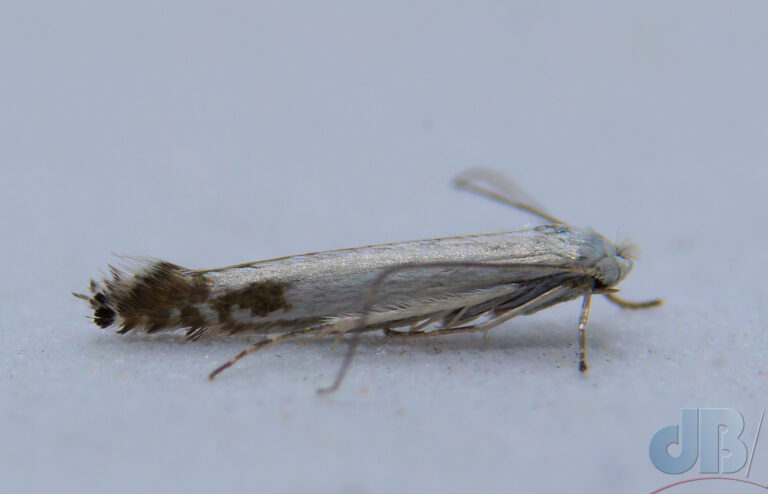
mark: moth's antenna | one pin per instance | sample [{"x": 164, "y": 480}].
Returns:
[{"x": 500, "y": 188}]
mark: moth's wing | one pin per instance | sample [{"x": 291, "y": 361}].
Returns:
[
  {"x": 469, "y": 290},
  {"x": 420, "y": 312},
  {"x": 545, "y": 292}
]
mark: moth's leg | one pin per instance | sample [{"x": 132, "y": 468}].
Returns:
[
  {"x": 321, "y": 332},
  {"x": 627, "y": 304},
  {"x": 266, "y": 342},
  {"x": 456, "y": 318},
  {"x": 391, "y": 333},
  {"x": 583, "y": 332},
  {"x": 484, "y": 326},
  {"x": 329, "y": 329},
  {"x": 419, "y": 325},
  {"x": 341, "y": 332},
  {"x": 490, "y": 323}
]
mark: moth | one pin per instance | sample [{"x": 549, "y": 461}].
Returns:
[{"x": 415, "y": 289}]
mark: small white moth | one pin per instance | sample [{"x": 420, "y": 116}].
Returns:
[{"x": 428, "y": 287}]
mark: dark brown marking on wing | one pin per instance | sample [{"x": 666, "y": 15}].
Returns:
[
  {"x": 160, "y": 297},
  {"x": 260, "y": 297},
  {"x": 191, "y": 317}
]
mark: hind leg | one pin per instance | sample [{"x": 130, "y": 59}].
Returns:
[{"x": 266, "y": 342}]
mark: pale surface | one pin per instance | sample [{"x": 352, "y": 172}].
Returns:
[{"x": 210, "y": 135}]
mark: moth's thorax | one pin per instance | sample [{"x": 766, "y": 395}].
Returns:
[{"x": 609, "y": 263}]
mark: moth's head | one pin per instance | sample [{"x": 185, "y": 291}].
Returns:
[
  {"x": 617, "y": 263},
  {"x": 595, "y": 255}
]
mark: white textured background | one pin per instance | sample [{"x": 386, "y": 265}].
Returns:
[{"x": 213, "y": 133}]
